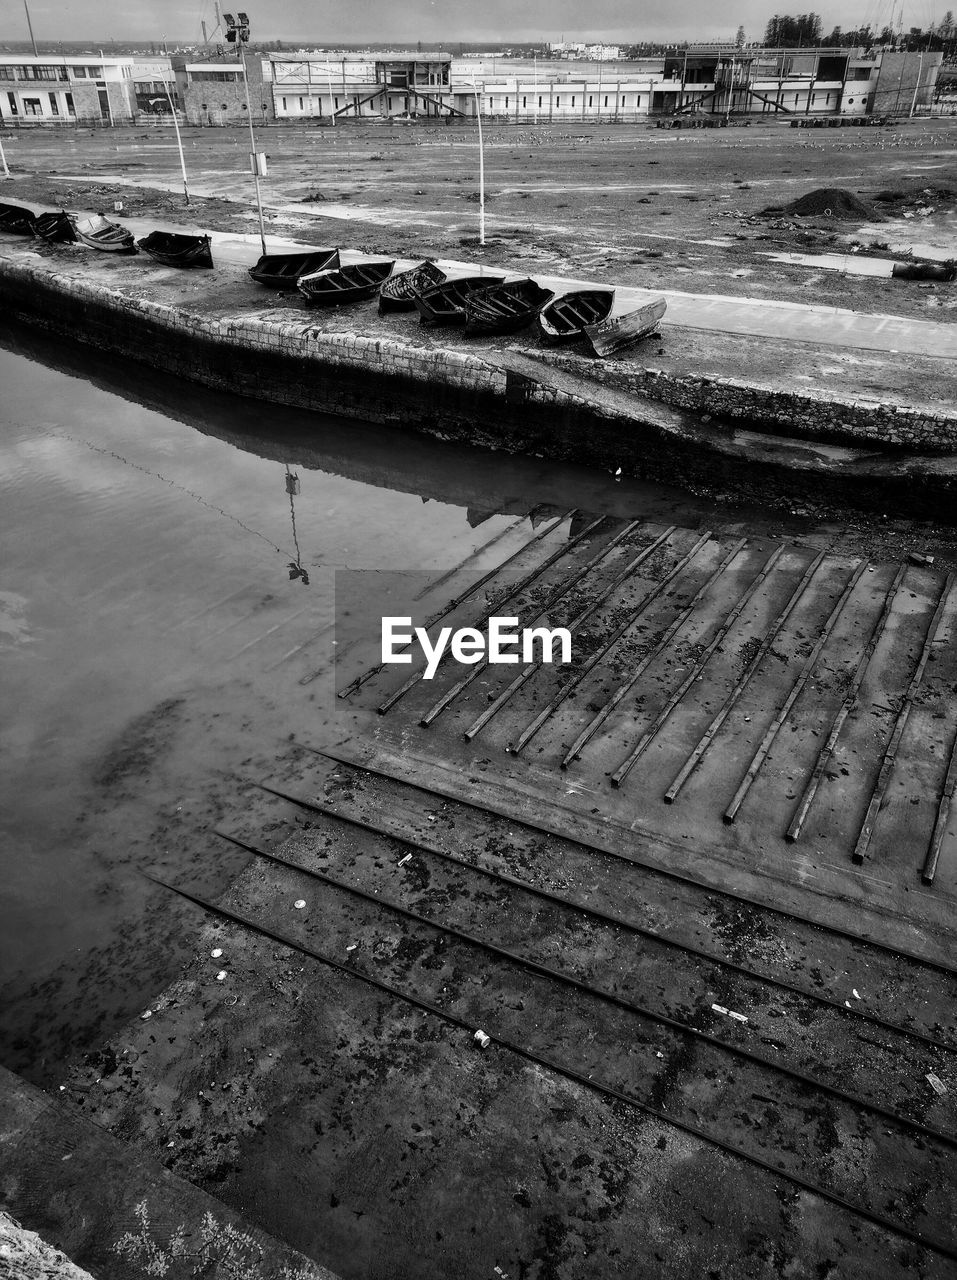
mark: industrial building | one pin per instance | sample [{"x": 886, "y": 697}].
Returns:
[{"x": 335, "y": 87}]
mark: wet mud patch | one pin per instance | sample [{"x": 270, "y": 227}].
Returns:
[{"x": 134, "y": 753}]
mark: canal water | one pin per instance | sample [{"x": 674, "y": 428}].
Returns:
[{"x": 166, "y": 589}]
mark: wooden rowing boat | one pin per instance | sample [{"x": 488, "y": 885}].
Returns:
[
  {"x": 620, "y": 332},
  {"x": 505, "y": 308},
  {"x": 15, "y": 220},
  {"x": 398, "y": 292},
  {"x": 445, "y": 303},
  {"x": 175, "y": 250},
  {"x": 282, "y": 270},
  {"x": 565, "y": 318},
  {"x": 96, "y": 232},
  {"x": 55, "y": 228},
  {"x": 358, "y": 281}
]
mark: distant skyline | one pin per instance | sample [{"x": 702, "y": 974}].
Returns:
[{"x": 405, "y": 21}]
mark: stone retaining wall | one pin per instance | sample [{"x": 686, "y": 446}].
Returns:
[
  {"x": 807, "y": 414},
  {"x": 549, "y": 404}
]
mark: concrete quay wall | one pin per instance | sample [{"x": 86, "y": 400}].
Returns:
[
  {"x": 806, "y": 414},
  {"x": 545, "y": 403}
]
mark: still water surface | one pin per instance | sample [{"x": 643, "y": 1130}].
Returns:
[{"x": 154, "y": 628}]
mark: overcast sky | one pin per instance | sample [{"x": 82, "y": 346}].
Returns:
[{"x": 405, "y": 21}]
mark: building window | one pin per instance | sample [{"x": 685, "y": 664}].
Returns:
[
  {"x": 539, "y": 102},
  {"x": 14, "y": 109},
  {"x": 573, "y": 99},
  {"x": 54, "y": 105},
  {"x": 8, "y": 73},
  {"x": 224, "y": 107},
  {"x": 79, "y": 73},
  {"x": 590, "y": 100},
  {"x": 301, "y": 107},
  {"x": 558, "y": 101},
  {"x": 31, "y": 107},
  {"x": 524, "y": 101},
  {"x": 70, "y": 108},
  {"x": 606, "y": 99},
  {"x": 203, "y": 106},
  {"x": 506, "y": 104},
  {"x": 850, "y": 102},
  {"x": 284, "y": 107}
]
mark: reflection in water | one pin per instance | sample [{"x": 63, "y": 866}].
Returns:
[
  {"x": 154, "y": 637},
  {"x": 482, "y": 482},
  {"x": 295, "y": 566}
]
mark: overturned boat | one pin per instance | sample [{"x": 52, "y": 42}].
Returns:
[
  {"x": 97, "y": 232},
  {"x": 505, "y": 308},
  {"x": 564, "y": 319},
  {"x": 355, "y": 283},
  {"x": 282, "y": 270},
  {"x": 54, "y": 228},
  {"x": 176, "y": 250},
  {"x": 925, "y": 270},
  {"x": 617, "y": 333},
  {"x": 445, "y": 303},
  {"x": 398, "y": 292}
]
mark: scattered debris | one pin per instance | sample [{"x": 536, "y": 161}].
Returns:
[
  {"x": 221, "y": 976},
  {"x": 915, "y": 557},
  {"x": 147, "y": 1014},
  {"x": 299, "y": 903},
  {"x": 403, "y": 861},
  {"x": 216, "y": 953},
  {"x": 936, "y": 1083},
  {"x": 482, "y": 1040},
  {"x": 729, "y": 1013}
]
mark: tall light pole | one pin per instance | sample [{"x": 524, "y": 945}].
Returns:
[
  {"x": 237, "y": 32},
  {"x": 3, "y": 161},
  {"x": 30, "y": 25},
  {"x": 179, "y": 140},
  {"x": 478, "y": 109}
]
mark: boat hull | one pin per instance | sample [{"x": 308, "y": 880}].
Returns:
[
  {"x": 398, "y": 292},
  {"x": 924, "y": 270},
  {"x": 445, "y": 303},
  {"x": 354, "y": 283},
  {"x": 16, "y": 221},
  {"x": 504, "y": 308},
  {"x": 178, "y": 250},
  {"x": 565, "y": 318},
  {"x": 282, "y": 270},
  {"x": 621, "y": 332},
  {"x": 107, "y": 237},
  {"x": 54, "y": 228}
]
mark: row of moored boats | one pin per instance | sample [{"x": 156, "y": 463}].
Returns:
[{"x": 482, "y": 304}]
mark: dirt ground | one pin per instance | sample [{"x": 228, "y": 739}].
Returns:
[
  {"x": 555, "y": 200},
  {"x": 625, "y": 205}
]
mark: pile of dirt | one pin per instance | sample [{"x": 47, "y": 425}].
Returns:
[{"x": 833, "y": 202}]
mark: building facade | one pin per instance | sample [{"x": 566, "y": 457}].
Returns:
[
  {"x": 80, "y": 89},
  {"x": 334, "y": 87}
]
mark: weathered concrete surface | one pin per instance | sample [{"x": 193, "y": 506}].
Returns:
[
  {"x": 25, "y": 1256},
  {"x": 114, "y": 1209},
  {"x": 560, "y": 406}
]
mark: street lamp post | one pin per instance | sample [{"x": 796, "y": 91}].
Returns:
[
  {"x": 179, "y": 140},
  {"x": 478, "y": 110},
  {"x": 237, "y": 32}
]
